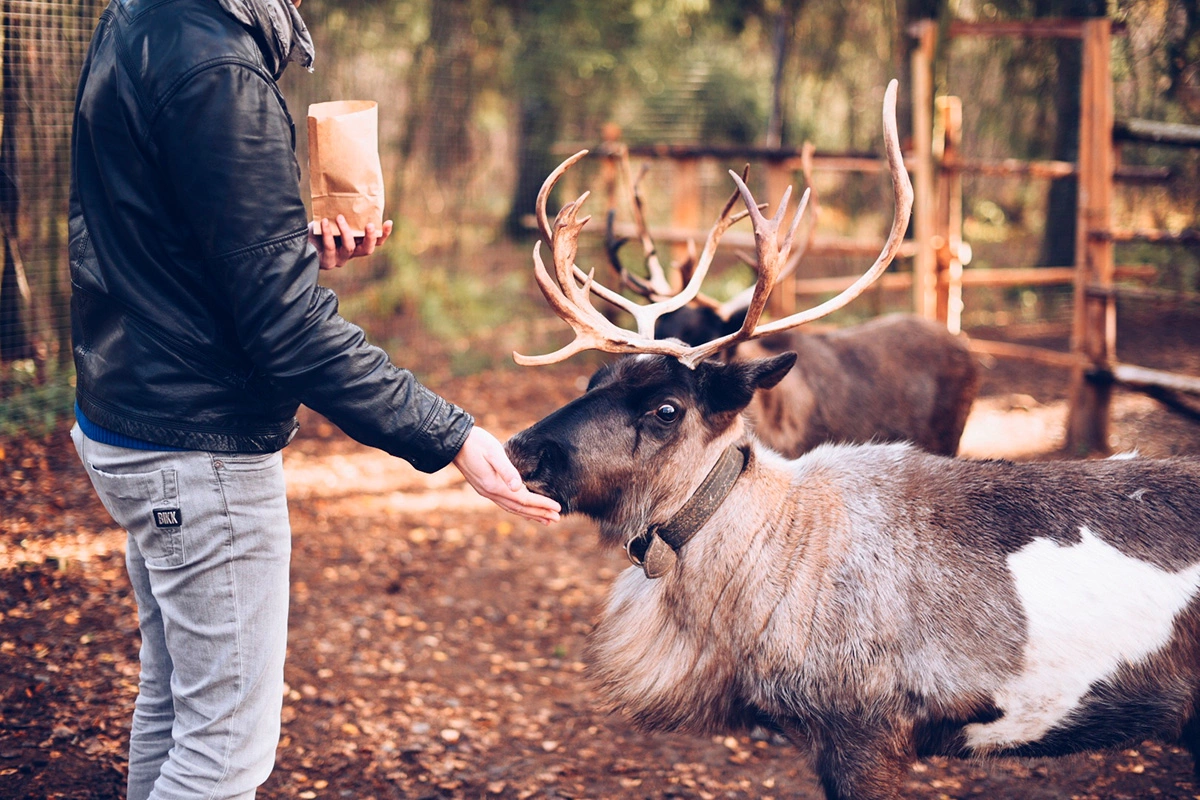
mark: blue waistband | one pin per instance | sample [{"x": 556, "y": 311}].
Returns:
[{"x": 103, "y": 435}]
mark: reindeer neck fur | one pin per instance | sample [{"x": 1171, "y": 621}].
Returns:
[
  {"x": 788, "y": 567},
  {"x": 834, "y": 564},
  {"x": 673, "y": 651}
]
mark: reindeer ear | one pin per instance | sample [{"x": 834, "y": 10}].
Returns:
[
  {"x": 731, "y": 387},
  {"x": 770, "y": 371}
]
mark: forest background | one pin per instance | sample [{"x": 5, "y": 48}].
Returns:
[{"x": 480, "y": 99}]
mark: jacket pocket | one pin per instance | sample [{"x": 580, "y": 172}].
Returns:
[{"x": 85, "y": 268}]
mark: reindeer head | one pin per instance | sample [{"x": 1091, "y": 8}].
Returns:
[
  {"x": 633, "y": 448},
  {"x": 650, "y": 427}
]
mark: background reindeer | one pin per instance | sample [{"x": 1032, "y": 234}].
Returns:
[
  {"x": 899, "y": 378},
  {"x": 873, "y": 602}
]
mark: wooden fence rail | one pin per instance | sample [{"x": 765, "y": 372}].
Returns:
[{"x": 1151, "y": 132}]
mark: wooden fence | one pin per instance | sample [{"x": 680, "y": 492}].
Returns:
[
  {"x": 938, "y": 269},
  {"x": 937, "y": 248}
]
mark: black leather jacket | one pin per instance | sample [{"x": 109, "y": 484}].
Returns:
[{"x": 196, "y": 316}]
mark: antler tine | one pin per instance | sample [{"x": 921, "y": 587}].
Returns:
[
  {"x": 612, "y": 247},
  {"x": 903, "y": 193},
  {"x": 692, "y": 290},
  {"x": 695, "y": 268},
  {"x": 592, "y": 330},
  {"x": 657, "y": 278},
  {"x": 656, "y": 287},
  {"x": 700, "y": 266},
  {"x": 742, "y": 299},
  {"x": 755, "y": 296},
  {"x": 687, "y": 267},
  {"x": 613, "y": 244},
  {"x": 544, "y": 193},
  {"x": 814, "y": 215},
  {"x": 686, "y": 270},
  {"x": 771, "y": 254},
  {"x": 565, "y": 296},
  {"x": 564, "y": 243},
  {"x": 645, "y": 316},
  {"x": 571, "y": 301}
]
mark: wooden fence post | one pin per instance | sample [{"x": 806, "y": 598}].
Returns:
[
  {"x": 947, "y": 239},
  {"x": 1095, "y": 325},
  {"x": 924, "y": 204},
  {"x": 612, "y": 149}
]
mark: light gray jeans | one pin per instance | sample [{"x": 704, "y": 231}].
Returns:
[{"x": 208, "y": 554}]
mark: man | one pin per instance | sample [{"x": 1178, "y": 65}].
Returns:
[{"x": 198, "y": 326}]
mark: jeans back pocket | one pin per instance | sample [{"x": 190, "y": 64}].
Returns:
[{"x": 146, "y": 504}]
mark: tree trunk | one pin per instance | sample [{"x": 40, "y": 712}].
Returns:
[
  {"x": 539, "y": 117},
  {"x": 908, "y": 12},
  {"x": 1058, "y": 239},
  {"x": 538, "y": 123},
  {"x": 438, "y": 129},
  {"x": 784, "y": 22}
]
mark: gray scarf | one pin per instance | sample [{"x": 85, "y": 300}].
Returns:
[{"x": 280, "y": 29}]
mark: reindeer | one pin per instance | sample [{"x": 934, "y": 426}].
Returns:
[
  {"x": 872, "y": 602},
  {"x": 898, "y": 378}
]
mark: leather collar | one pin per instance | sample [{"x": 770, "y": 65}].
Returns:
[{"x": 656, "y": 550}]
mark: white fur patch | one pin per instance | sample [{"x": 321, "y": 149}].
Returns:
[{"x": 1089, "y": 608}]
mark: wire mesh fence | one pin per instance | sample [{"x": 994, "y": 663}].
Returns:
[{"x": 43, "y": 47}]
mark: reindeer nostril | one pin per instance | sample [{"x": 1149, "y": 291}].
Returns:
[
  {"x": 520, "y": 457},
  {"x": 529, "y": 454}
]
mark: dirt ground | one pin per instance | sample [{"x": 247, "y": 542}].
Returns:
[{"x": 435, "y": 642}]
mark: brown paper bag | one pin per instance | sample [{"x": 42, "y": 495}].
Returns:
[{"x": 345, "y": 176}]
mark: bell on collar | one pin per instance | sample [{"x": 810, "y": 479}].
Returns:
[
  {"x": 656, "y": 558},
  {"x": 659, "y": 559}
]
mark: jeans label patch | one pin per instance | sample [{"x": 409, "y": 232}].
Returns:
[{"x": 167, "y": 517}]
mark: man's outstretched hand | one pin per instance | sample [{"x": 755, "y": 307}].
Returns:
[{"x": 485, "y": 465}]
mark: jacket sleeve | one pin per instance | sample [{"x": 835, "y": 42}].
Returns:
[{"x": 226, "y": 143}]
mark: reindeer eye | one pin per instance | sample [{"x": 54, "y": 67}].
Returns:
[{"x": 667, "y": 412}]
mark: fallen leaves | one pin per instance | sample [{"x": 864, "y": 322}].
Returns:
[{"x": 435, "y": 651}]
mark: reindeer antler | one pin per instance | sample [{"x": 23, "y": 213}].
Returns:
[
  {"x": 571, "y": 301},
  {"x": 656, "y": 286},
  {"x": 568, "y": 291},
  {"x": 741, "y": 300}
]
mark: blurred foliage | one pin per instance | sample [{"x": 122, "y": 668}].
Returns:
[
  {"x": 461, "y": 319},
  {"x": 35, "y": 402},
  {"x": 539, "y": 73},
  {"x": 481, "y": 99}
]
